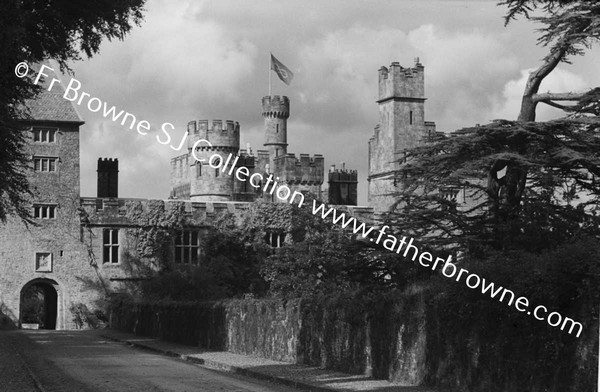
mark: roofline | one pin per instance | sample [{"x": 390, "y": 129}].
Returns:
[{"x": 81, "y": 122}]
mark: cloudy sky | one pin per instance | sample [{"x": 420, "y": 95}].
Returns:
[{"x": 209, "y": 60}]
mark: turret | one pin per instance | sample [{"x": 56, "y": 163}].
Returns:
[
  {"x": 343, "y": 186},
  {"x": 276, "y": 111},
  {"x": 206, "y": 182}
]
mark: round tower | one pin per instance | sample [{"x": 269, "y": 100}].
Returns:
[
  {"x": 206, "y": 182},
  {"x": 276, "y": 111}
]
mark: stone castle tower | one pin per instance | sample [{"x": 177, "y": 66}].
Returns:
[
  {"x": 401, "y": 126},
  {"x": 276, "y": 111}
]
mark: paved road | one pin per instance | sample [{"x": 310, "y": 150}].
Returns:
[{"x": 74, "y": 361}]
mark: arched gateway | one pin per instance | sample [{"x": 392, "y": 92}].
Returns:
[{"x": 39, "y": 303}]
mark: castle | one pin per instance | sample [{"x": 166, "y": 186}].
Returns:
[
  {"x": 193, "y": 178},
  {"x": 81, "y": 248}
]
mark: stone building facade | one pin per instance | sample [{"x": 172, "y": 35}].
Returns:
[{"x": 79, "y": 249}]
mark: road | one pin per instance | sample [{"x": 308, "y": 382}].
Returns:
[{"x": 82, "y": 361}]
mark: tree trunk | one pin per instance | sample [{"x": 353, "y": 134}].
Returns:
[{"x": 528, "y": 106}]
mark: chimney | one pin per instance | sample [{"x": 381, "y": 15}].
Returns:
[{"x": 108, "y": 177}]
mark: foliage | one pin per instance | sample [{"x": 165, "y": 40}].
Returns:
[
  {"x": 324, "y": 258},
  {"x": 32, "y": 31},
  {"x": 547, "y": 189},
  {"x": 156, "y": 224},
  {"x": 32, "y": 305},
  {"x": 234, "y": 263},
  {"x": 84, "y": 318},
  {"x": 569, "y": 27},
  {"x": 512, "y": 345},
  {"x": 194, "y": 283},
  {"x": 14, "y": 188}
]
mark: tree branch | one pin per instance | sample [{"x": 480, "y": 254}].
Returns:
[
  {"x": 558, "y": 106},
  {"x": 544, "y": 97}
]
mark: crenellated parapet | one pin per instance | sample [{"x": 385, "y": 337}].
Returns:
[
  {"x": 342, "y": 175},
  {"x": 305, "y": 170},
  {"x": 246, "y": 160},
  {"x": 397, "y": 82},
  {"x": 108, "y": 164},
  {"x": 223, "y": 135},
  {"x": 130, "y": 212},
  {"x": 136, "y": 213}
]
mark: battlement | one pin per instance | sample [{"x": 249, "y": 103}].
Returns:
[
  {"x": 108, "y": 164},
  {"x": 108, "y": 177},
  {"x": 276, "y": 106},
  {"x": 246, "y": 160},
  {"x": 303, "y": 170},
  {"x": 305, "y": 160},
  {"x": 337, "y": 175},
  {"x": 218, "y": 132},
  {"x": 122, "y": 212},
  {"x": 397, "y": 82}
]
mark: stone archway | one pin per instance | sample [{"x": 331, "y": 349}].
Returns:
[{"x": 39, "y": 303}]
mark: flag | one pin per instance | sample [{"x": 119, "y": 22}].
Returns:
[{"x": 281, "y": 70}]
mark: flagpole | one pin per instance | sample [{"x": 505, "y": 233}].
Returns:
[{"x": 270, "y": 66}]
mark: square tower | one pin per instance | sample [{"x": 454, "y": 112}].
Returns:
[{"x": 401, "y": 126}]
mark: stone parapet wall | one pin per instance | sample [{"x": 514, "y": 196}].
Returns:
[{"x": 401, "y": 338}]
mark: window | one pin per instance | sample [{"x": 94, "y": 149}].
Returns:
[
  {"x": 275, "y": 239},
  {"x": 44, "y": 164},
  {"x": 44, "y": 211},
  {"x": 43, "y": 262},
  {"x": 44, "y": 135},
  {"x": 410, "y": 115},
  {"x": 187, "y": 247},
  {"x": 450, "y": 194},
  {"x": 198, "y": 169},
  {"x": 110, "y": 241}
]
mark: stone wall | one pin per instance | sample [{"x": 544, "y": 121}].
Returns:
[
  {"x": 400, "y": 338},
  {"x": 338, "y": 334}
]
